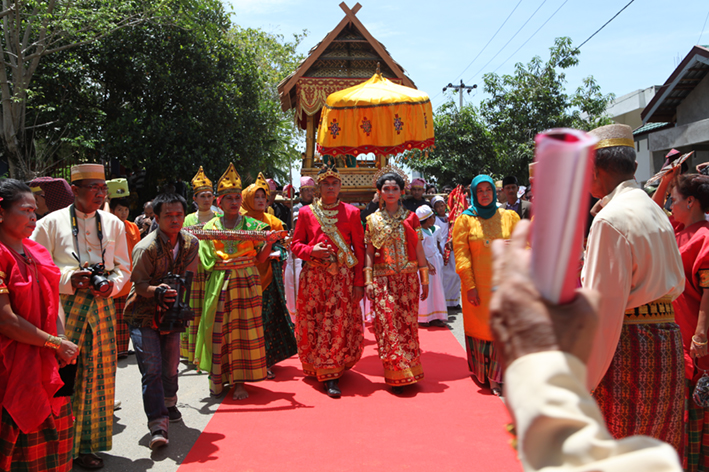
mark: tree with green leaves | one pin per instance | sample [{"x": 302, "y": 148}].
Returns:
[
  {"x": 35, "y": 29},
  {"x": 501, "y": 131}
]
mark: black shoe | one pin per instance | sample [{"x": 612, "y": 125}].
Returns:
[
  {"x": 398, "y": 390},
  {"x": 332, "y": 389},
  {"x": 174, "y": 414},
  {"x": 158, "y": 439}
]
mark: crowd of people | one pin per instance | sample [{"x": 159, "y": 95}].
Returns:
[{"x": 246, "y": 281}]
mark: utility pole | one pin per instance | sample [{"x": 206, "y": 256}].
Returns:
[{"x": 460, "y": 89}]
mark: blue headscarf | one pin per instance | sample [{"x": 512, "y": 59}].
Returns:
[{"x": 475, "y": 209}]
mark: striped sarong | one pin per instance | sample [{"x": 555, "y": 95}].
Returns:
[
  {"x": 188, "y": 339},
  {"x": 122, "y": 331},
  {"x": 483, "y": 360},
  {"x": 49, "y": 448},
  {"x": 396, "y": 308},
  {"x": 238, "y": 345},
  {"x": 328, "y": 324},
  {"x": 90, "y": 324},
  {"x": 643, "y": 390}
]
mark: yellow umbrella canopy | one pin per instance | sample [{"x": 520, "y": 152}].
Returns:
[{"x": 376, "y": 116}]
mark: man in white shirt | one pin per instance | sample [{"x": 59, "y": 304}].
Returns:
[
  {"x": 81, "y": 237},
  {"x": 632, "y": 260},
  {"x": 558, "y": 425}
]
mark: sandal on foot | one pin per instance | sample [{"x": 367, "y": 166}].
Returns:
[
  {"x": 497, "y": 391},
  {"x": 89, "y": 461},
  {"x": 270, "y": 375}
]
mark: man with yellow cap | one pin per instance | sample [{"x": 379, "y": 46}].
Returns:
[
  {"x": 203, "y": 196},
  {"x": 230, "y": 341},
  {"x": 89, "y": 247},
  {"x": 632, "y": 259}
]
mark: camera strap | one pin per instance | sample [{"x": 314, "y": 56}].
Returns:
[{"x": 75, "y": 233}]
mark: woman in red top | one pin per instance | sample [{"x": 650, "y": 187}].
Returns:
[
  {"x": 690, "y": 199},
  {"x": 394, "y": 257},
  {"x": 36, "y": 430}
]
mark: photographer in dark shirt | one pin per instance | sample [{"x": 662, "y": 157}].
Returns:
[{"x": 166, "y": 251}]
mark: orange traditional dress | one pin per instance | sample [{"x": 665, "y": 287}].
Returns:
[
  {"x": 396, "y": 287},
  {"x": 472, "y": 243}
]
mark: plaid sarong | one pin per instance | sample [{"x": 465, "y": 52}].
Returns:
[
  {"x": 396, "y": 308},
  {"x": 49, "y": 448},
  {"x": 643, "y": 390},
  {"x": 238, "y": 346},
  {"x": 90, "y": 324},
  {"x": 122, "y": 331},
  {"x": 483, "y": 360},
  {"x": 696, "y": 433}
]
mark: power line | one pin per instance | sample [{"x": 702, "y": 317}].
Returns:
[
  {"x": 606, "y": 24},
  {"x": 488, "y": 43},
  {"x": 533, "y": 34},
  {"x": 508, "y": 42},
  {"x": 701, "y": 33}
]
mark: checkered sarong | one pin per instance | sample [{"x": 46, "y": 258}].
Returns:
[
  {"x": 188, "y": 339},
  {"x": 49, "y": 448},
  {"x": 122, "y": 331},
  {"x": 90, "y": 324},
  {"x": 696, "y": 433},
  {"x": 238, "y": 345}
]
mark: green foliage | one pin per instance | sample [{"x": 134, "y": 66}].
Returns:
[
  {"x": 501, "y": 132},
  {"x": 168, "y": 97},
  {"x": 464, "y": 147}
]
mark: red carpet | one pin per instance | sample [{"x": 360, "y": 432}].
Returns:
[{"x": 443, "y": 423}]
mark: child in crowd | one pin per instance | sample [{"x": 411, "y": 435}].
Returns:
[
  {"x": 433, "y": 310},
  {"x": 451, "y": 280}
]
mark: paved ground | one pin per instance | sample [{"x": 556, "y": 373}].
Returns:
[{"x": 130, "y": 432}]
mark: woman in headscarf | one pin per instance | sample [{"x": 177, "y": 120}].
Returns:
[
  {"x": 277, "y": 327},
  {"x": 473, "y": 234}
]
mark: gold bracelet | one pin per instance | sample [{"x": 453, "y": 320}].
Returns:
[
  {"x": 368, "y": 276},
  {"x": 423, "y": 271},
  {"x": 62, "y": 337},
  {"x": 698, "y": 343},
  {"x": 53, "y": 342}
]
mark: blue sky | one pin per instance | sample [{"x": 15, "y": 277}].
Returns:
[{"x": 435, "y": 40}]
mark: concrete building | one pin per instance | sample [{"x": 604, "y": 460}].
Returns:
[{"x": 677, "y": 116}]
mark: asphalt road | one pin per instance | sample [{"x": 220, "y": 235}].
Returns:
[{"x": 130, "y": 431}]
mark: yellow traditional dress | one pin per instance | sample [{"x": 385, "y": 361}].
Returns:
[{"x": 472, "y": 241}]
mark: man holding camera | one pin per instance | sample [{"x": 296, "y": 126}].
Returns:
[
  {"x": 89, "y": 247},
  {"x": 156, "y": 315}
]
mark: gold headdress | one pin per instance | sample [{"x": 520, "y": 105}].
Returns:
[
  {"x": 390, "y": 169},
  {"x": 328, "y": 171},
  {"x": 200, "y": 182},
  {"x": 613, "y": 135},
  {"x": 229, "y": 182}
]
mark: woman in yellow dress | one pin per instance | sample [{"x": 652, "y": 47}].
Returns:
[{"x": 473, "y": 234}]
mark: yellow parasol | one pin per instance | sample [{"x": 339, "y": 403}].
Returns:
[{"x": 376, "y": 116}]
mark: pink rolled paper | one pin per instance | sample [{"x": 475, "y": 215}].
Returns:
[{"x": 562, "y": 179}]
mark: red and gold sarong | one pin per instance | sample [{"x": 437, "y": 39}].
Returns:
[
  {"x": 643, "y": 390},
  {"x": 328, "y": 324},
  {"x": 396, "y": 306}
]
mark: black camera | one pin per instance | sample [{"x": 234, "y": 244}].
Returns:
[
  {"x": 177, "y": 317},
  {"x": 98, "y": 279}
]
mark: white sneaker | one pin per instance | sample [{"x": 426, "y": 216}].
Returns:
[
  {"x": 159, "y": 439},
  {"x": 116, "y": 405}
]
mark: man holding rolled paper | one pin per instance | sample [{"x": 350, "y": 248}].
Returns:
[{"x": 635, "y": 367}]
